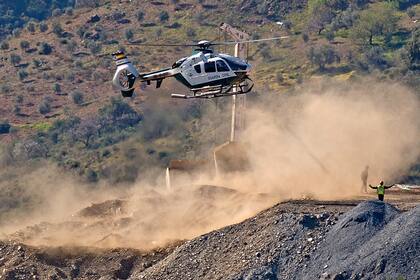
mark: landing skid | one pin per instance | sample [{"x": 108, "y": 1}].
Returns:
[{"x": 218, "y": 91}]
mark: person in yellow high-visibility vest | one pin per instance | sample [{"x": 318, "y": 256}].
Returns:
[{"x": 380, "y": 190}]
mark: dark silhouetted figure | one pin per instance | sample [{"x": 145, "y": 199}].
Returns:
[
  {"x": 380, "y": 190},
  {"x": 364, "y": 176}
]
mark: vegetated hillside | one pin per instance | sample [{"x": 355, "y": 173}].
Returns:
[
  {"x": 14, "y": 14},
  {"x": 55, "y": 75}
]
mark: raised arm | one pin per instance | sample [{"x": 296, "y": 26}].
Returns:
[
  {"x": 370, "y": 186},
  {"x": 388, "y": 187}
]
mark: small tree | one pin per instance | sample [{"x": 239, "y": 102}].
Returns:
[
  {"x": 376, "y": 21},
  {"x": 77, "y": 97},
  {"x": 413, "y": 50},
  {"x": 320, "y": 15},
  {"x": 323, "y": 56}
]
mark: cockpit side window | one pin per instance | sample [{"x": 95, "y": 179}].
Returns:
[
  {"x": 221, "y": 66},
  {"x": 197, "y": 68},
  {"x": 178, "y": 63},
  {"x": 210, "y": 67}
]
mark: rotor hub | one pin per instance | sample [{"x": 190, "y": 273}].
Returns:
[{"x": 204, "y": 44}]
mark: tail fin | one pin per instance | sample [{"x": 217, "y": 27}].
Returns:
[{"x": 126, "y": 74}]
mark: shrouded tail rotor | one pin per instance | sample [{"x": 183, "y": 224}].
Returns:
[{"x": 126, "y": 74}]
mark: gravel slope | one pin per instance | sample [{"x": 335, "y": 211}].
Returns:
[
  {"x": 371, "y": 241},
  {"x": 292, "y": 240}
]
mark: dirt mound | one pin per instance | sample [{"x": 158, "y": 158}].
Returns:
[
  {"x": 372, "y": 240},
  {"x": 148, "y": 220},
  {"x": 275, "y": 243},
  {"x": 104, "y": 209},
  {"x": 18, "y": 261}
]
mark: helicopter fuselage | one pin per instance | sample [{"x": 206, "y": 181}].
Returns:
[{"x": 204, "y": 72}]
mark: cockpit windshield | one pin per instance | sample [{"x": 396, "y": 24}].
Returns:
[{"x": 234, "y": 64}]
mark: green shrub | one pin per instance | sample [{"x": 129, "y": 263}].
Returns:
[
  {"x": 57, "y": 29},
  {"x": 57, "y": 88},
  {"x": 411, "y": 12},
  {"x": 69, "y": 11},
  {"x": 57, "y": 12},
  {"x": 46, "y": 49},
  {"x": 4, "y": 45},
  {"x": 16, "y": 32},
  {"x": 140, "y": 16},
  {"x": 45, "y": 107},
  {"x": 95, "y": 47},
  {"x": 31, "y": 27},
  {"x": 19, "y": 99},
  {"x": 24, "y": 45},
  {"x": 191, "y": 32},
  {"x": 322, "y": 56},
  {"x": 15, "y": 59},
  {"x": 163, "y": 16},
  {"x": 4, "y": 127},
  {"x": 43, "y": 27},
  {"x": 22, "y": 74},
  {"x": 129, "y": 34},
  {"x": 305, "y": 37},
  {"x": 77, "y": 97},
  {"x": 37, "y": 63},
  {"x": 16, "y": 110}
]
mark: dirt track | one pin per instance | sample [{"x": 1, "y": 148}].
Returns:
[{"x": 277, "y": 243}]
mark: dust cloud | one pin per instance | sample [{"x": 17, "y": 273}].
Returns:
[
  {"x": 312, "y": 142},
  {"x": 317, "y": 142}
]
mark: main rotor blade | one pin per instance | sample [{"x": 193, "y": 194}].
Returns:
[
  {"x": 161, "y": 45},
  {"x": 249, "y": 41}
]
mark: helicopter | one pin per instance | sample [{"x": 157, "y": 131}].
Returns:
[{"x": 206, "y": 73}]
